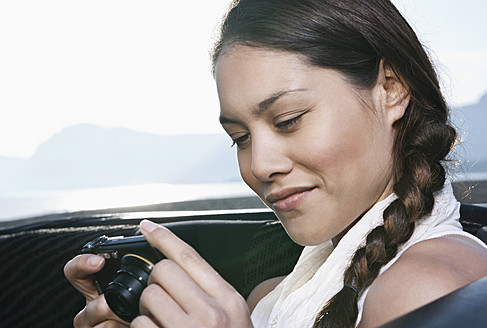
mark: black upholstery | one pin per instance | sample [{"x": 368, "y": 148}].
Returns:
[
  {"x": 465, "y": 308},
  {"x": 474, "y": 220},
  {"x": 245, "y": 247}
]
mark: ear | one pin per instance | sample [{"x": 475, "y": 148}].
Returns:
[{"x": 394, "y": 93}]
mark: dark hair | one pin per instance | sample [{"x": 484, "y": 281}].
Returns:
[{"x": 353, "y": 37}]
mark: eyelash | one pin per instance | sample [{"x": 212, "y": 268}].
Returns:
[
  {"x": 283, "y": 126},
  {"x": 239, "y": 141},
  {"x": 289, "y": 124}
]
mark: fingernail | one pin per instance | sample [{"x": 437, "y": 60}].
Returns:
[
  {"x": 148, "y": 226},
  {"x": 96, "y": 261}
]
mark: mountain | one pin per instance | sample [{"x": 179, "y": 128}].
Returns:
[{"x": 88, "y": 156}]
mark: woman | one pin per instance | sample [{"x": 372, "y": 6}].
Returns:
[{"x": 340, "y": 128}]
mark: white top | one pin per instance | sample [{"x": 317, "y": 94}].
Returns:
[{"x": 318, "y": 274}]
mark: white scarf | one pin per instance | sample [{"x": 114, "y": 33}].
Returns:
[{"x": 318, "y": 274}]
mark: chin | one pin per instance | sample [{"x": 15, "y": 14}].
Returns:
[{"x": 307, "y": 238}]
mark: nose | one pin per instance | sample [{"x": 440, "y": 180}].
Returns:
[{"x": 269, "y": 158}]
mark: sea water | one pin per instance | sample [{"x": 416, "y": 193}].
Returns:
[
  {"x": 25, "y": 204},
  {"x": 17, "y": 205}
]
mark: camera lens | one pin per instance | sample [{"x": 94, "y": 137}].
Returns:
[{"x": 123, "y": 293}]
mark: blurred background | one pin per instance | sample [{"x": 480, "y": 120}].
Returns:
[{"x": 107, "y": 104}]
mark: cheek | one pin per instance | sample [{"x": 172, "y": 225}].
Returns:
[
  {"x": 329, "y": 148},
  {"x": 340, "y": 152},
  {"x": 245, "y": 168}
]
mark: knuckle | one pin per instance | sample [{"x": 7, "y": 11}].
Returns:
[
  {"x": 236, "y": 303},
  {"x": 81, "y": 320},
  {"x": 215, "y": 317},
  {"x": 96, "y": 313},
  {"x": 189, "y": 256},
  {"x": 78, "y": 320},
  {"x": 71, "y": 266},
  {"x": 98, "y": 308}
]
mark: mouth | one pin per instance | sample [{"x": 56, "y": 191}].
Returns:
[{"x": 287, "y": 199}]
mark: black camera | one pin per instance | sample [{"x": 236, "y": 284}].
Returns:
[{"x": 128, "y": 264}]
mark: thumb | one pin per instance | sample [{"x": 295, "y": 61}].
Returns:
[{"x": 80, "y": 272}]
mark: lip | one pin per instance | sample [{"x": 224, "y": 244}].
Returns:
[{"x": 288, "y": 198}]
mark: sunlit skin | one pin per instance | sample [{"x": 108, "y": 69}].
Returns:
[
  {"x": 319, "y": 152},
  {"x": 313, "y": 147}
]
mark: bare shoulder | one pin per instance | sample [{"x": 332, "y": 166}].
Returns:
[
  {"x": 425, "y": 272},
  {"x": 261, "y": 290}
]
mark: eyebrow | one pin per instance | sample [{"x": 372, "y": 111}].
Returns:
[{"x": 264, "y": 105}]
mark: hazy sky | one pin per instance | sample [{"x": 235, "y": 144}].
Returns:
[{"x": 144, "y": 65}]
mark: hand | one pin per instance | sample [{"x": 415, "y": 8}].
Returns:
[
  {"x": 79, "y": 271},
  {"x": 184, "y": 290}
]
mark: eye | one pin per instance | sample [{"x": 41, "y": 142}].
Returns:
[
  {"x": 241, "y": 142},
  {"x": 289, "y": 124}
]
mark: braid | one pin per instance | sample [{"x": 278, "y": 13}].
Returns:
[
  {"x": 353, "y": 37},
  {"x": 422, "y": 175}
]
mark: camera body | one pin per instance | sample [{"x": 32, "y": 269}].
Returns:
[{"x": 128, "y": 264}]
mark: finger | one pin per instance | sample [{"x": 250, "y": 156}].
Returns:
[
  {"x": 156, "y": 304},
  {"x": 186, "y": 257},
  {"x": 96, "y": 312},
  {"x": 79, "y": 271},
  {"x": 112, "y": 324},
  {"x": 142, "y": 322},
  {"x": 186, "y": 292}
]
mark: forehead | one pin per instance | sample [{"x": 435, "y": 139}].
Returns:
[
  {"x": 248, "y": 75},
  {"x": 254, "y": 59}
]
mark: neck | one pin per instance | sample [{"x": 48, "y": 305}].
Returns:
[
  {"x": 387, "y": 191},
  {"x": 335, "y": 240}
]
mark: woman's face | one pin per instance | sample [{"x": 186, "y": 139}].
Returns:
[{"x": 314, "y": 148}]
